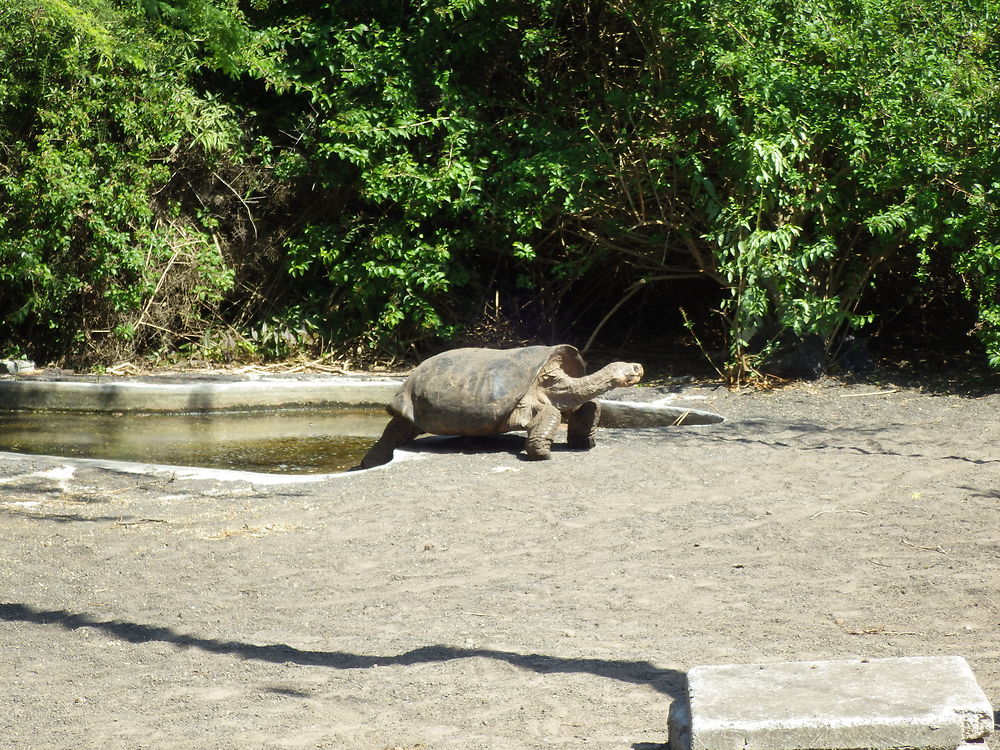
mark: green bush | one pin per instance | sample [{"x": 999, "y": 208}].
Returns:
[
  {"x": 790, "y": 151},
  {"x": 98, "y": 257},
  {"x": 854, "y": 140},
  {"x": 434, "y": 127},
  {"x": 375, "y": 177}
]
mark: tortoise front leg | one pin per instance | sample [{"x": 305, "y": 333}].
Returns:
[
  {"x": 583, "y": 425},
  {"x": 541, "y": 432},
  {"x": 398, "y": 432}
]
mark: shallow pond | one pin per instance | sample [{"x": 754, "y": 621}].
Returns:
[
  {"x": 286, "y": 441},
  {"x": 313, "y": 440}
]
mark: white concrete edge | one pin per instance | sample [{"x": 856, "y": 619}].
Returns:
[
  {"x": 251, "y": 384},
  {"x": 200, "y": 472},
  {"x": 612, "y": 409},
  {"x": 264, "y": 393}
]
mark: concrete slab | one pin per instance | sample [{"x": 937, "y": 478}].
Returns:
[
  {"x": 922, "y": 703},
  {"x": 616, "y": 413},
  {"x": 127, "y": 396}
]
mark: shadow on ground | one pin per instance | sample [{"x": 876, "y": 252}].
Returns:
[
  {"x": 669, "y": 681},
  {"x": 511, "y": 444},
  {"x": 506, "y": 443}
]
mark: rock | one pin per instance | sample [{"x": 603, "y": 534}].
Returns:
[{"x": 16, "y": 366}]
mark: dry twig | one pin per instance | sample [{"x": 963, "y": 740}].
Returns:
[
  {"x": 839, "y": 510},
  {"x": 869, "y": 393},
  {"x": 871, "y": 629},
  {"x": 929, "y": 549}
]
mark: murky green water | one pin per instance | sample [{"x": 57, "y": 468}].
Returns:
[{"x": 289, "y": 441}]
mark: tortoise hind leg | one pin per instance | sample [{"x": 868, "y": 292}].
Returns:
[
  {"x": 541, "y": 431},
  {"x": 398, "y": 432},
  {"x": 583, "y": 425}
]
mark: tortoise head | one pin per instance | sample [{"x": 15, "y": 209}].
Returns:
[{"x": 624, "y": 374}]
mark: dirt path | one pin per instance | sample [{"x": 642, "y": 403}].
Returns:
[{"x": 473, "y": 600}]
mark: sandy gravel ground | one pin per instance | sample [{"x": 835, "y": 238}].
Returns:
[{"x": 469, "y": 599}]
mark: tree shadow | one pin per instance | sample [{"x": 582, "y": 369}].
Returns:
[
  {"x": 671, "y": 682},
  {"x": 985, "y": 493},
  {"x": 962, "y": 374},
  {"x": 35, "y": 486}
]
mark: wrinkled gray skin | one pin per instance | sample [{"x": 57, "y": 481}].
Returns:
[{"x": 492, "y": 391}]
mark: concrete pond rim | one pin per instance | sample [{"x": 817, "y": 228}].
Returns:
[{"x": 207, "y": 396}]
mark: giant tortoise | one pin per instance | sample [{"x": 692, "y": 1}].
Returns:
[{"x": 492, "y": 391}]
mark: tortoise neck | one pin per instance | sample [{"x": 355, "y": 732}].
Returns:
[{"x": 566, "y": 392}]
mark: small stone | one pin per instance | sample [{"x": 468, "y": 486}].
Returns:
[{"x": 16, "y": 366}]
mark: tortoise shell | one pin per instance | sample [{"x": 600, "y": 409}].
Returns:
[{"x": 474, "y": 391}]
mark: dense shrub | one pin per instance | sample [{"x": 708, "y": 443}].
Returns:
[
  {"x": 854, "y": 140},
  {"x": 790, "y": 151},
  {"x": 379, "y": 176},
  {"x": 99, "y": 253}
]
